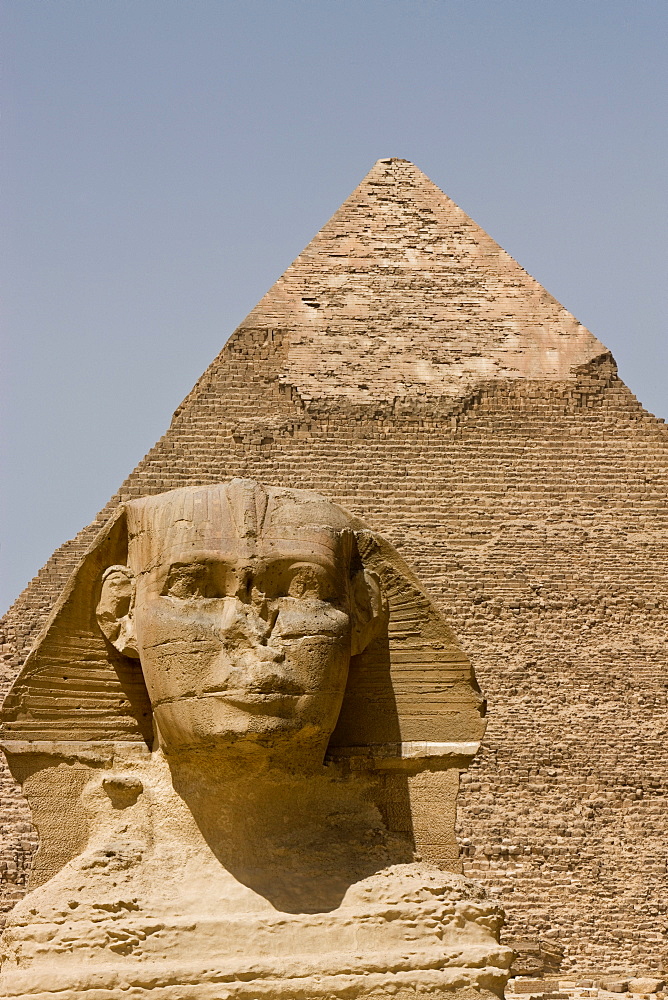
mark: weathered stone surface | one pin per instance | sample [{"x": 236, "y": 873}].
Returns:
[
  {"x": 510, "y": 464},
  {"x": 535, "y": 958},
  {"x": 644, "y": 984},
  {"x": 241, "y": 726}
]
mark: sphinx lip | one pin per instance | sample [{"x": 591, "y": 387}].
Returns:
[{"x": 246, "y": 696}]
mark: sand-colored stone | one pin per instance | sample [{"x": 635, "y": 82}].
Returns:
[
  {"x": 644, "y": 984},
  {"x": 240, "y": 733},
  {"x": 411, "y": 370}
]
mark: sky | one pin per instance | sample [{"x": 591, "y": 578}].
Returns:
[{"x": 163, "y": 161}]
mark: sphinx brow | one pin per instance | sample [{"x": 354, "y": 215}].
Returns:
[
  {"x": 292, "y": 563},
  {"x": 262, "y": 561},
  {"x": 183, "y": 561}
]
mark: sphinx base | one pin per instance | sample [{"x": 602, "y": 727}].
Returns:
[
  {"x": 425, "y": 984},
  {"x": 160, "y": 918}
]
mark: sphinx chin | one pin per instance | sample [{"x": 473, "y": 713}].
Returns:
[{"x": 209, "y": 721}]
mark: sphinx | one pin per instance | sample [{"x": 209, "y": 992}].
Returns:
[{"x": 240, "y": 734}]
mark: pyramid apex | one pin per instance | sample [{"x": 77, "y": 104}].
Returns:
[
  {"x": 395, "y": 161},
  {"x": 402, "y": 294}
]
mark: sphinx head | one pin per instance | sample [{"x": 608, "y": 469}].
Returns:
[
  {"x": 239, "y": 617},
  {"x": 244, "y": 605}
]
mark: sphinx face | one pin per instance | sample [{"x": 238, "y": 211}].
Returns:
[{"x": 244, "y": 633}]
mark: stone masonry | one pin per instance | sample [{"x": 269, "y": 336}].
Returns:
[{"x": 408, "y": 368}]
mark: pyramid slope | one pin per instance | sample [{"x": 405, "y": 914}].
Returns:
[{"x": 401, "y": 293}]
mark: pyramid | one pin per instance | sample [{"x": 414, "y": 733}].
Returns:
[{"x": 408, "y": 368}]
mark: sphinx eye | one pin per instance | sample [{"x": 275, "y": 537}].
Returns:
[
  {"x": 306, "y": 580},
  {"x": 188, "y": 580}
]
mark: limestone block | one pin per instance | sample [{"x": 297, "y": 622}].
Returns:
[{"x": 643, "y": 984}]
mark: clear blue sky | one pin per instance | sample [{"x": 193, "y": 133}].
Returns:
[{"x": 165, "y": 160}]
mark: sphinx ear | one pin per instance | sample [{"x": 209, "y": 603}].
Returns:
[
  {"x": 367, "y": 609},
  {"x": 115, "y": 610}
]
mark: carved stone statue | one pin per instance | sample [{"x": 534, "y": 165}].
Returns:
[{"x": 240, "y": 734}]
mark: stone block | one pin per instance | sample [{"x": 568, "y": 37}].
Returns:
[
  {"x": 614, "y": 985},
  {"x": 643, "y": 984}
]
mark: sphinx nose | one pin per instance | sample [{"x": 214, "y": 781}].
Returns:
[
  {"x": 249, "y": 594},
  {"x": 268, "y": 654},
  {"x": 244, "y": 582},
  {"x": 249, "y": 622}
]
